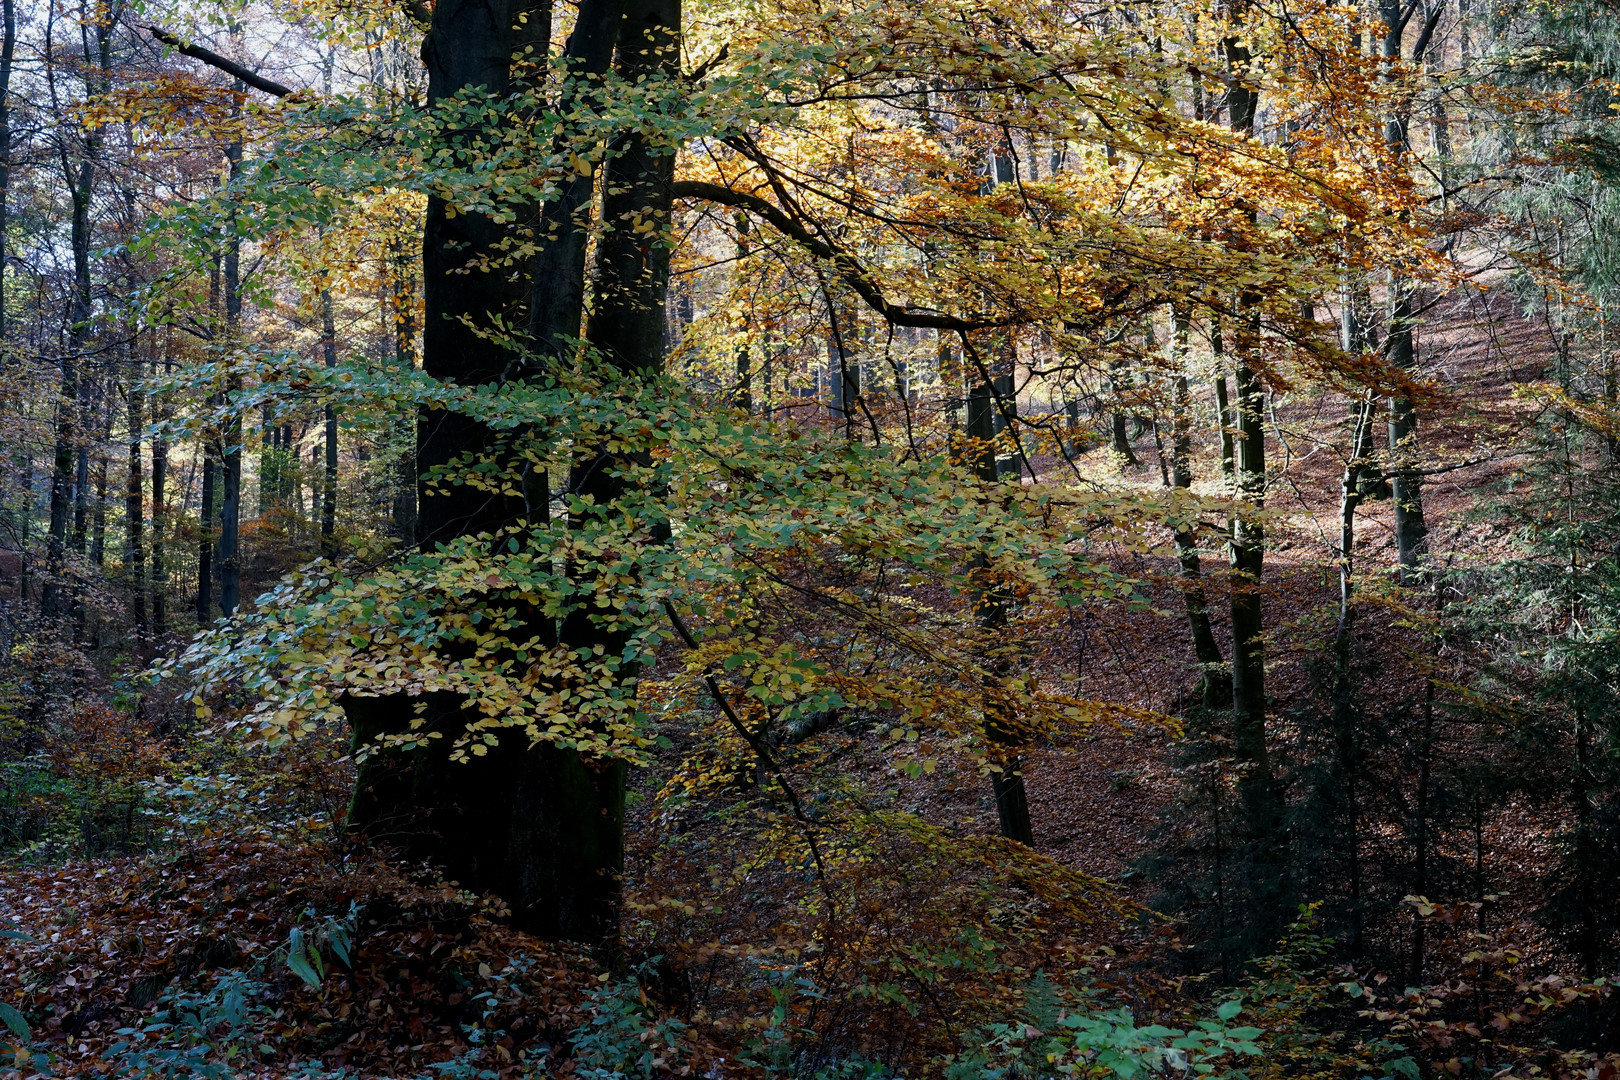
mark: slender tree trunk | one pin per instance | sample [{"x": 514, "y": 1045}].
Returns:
[
  {"x": 329, "y": 478},
  {"x": 160, "y": 565},
  {"x": 135, "y": 511},
  {"x": 230, "y": 502},
  {"x": 1001, "y": 728},
  {"x": 53, "y": 597},
  {"x": 1411, "y": 531},
  {"x": 269, "y": 460},
  {"x": 25, "y": 529},
  {"x": 1215, "y": 684},
  {"x": 98, "y": 516},
  {"x": 744, "y": 358},
  {"x": 1343, "y": 699},
  {"x": 557, "y": 298},
  {"x": 205, "y": 545},
  {"x": 1248, "y": 627},
  {"x": 404, "y": 308},
  {"x": 1248, "y": 534},
  {"x": 66, "y": 481},
  {"x": 8, "y": 48}
]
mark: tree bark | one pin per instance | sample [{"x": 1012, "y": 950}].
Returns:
[
  {"x": 205, "y": 543},
  {"x": 160, "y": 565},
  {"x": 1247, "y": 533},
  {"x": 228, "y": 554},
  {"x": 135, "y": 508},
  {"x": 329, "y": 475},
  {"x": 8, "y": 49},
  {"x": 1001, "y": 729},
  {"x": 1406, "y": 483},
  {"x": 404, "y": 319},
  {"x": 1215, "y": 684},
  {"x": 1346, "y": 744},
  {"x": 537, "y": 826}
]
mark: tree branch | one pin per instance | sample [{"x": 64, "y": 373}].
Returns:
[
  {"x": 214, "y": 60},
  {"x": 758, "y": 746},
  {"x": 848, "y": 269}
]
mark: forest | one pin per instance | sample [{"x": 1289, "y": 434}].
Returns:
[{"x": 809, "y": 539}]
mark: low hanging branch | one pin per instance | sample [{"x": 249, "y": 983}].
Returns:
[{"x": 225, "y": 64}]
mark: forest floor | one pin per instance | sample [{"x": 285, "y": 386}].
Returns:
[{"x": 104, "y": 939}]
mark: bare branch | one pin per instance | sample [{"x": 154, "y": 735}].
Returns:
[{"x": 214, "y": 60}]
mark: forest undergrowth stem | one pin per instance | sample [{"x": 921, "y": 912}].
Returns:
[{"x": 761, "y": 751}]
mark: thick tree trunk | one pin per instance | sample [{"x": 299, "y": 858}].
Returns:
[
  {"x": 537, "y": 826},
  {"x": 1118, "y": 421},
  {"x": 81, "y": 487}
]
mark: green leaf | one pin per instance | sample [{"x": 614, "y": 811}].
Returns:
[
  {"x": 1229, "y": 1009},
  {"x": 299, "y": 955},
  {"x": 14, "y": 1020},
  {"x": 1404, "y": 1066}
]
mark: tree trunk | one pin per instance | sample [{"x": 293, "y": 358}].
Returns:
[
  {"x": 1118, "y": 422},
  {"x": 1001, "y": 729},
  {"x": 1411, "y": 531},
  {"x": 557, "y": 287},
  {"x": 1342, "y": 698},
  {"x": 230, "y": 502},
  {"x": 205, "y": 543},
  {"x": 98, "y": 516},
  {"x": 8, "y": 48},
  {"x": 135, "y": 510},
  {"x": 1248, "y": 534},
  {"x": 65, "y": 480},
  {"x": 160, "y": 565},
  {"x": 404, "y": 308},
  {"x": 1215, "y": 685},
  {"x": 539, "y": 827},
  {"x": 329, "y": 477}
]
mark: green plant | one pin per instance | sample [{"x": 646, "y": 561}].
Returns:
[
  {"x": 195, "y": 1034},
  {"x": 1055, "y": 1039},
  {"x": 19, "y": 1052},
  {"x": 305, "y": 948},
  {"x": 624, "y": 1038}
]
